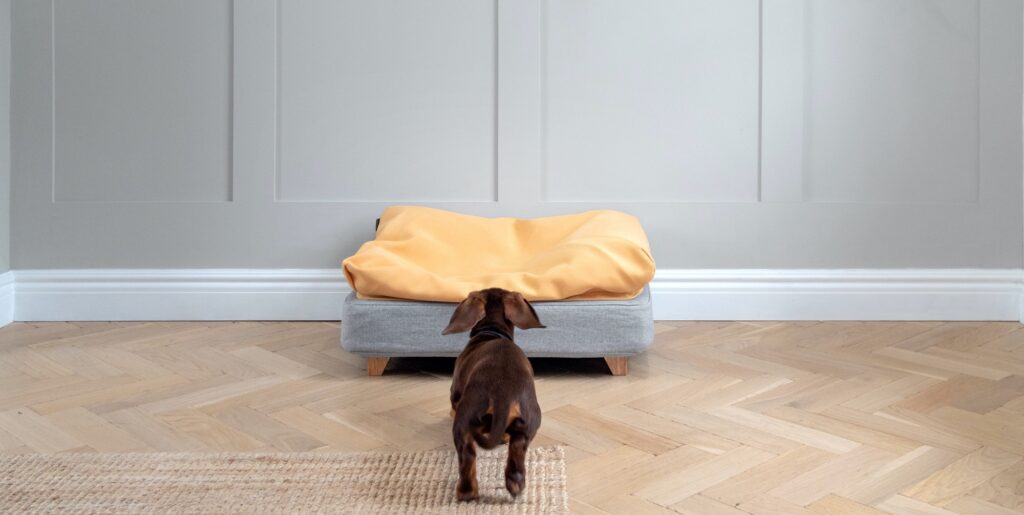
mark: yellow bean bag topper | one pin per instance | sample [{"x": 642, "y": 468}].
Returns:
[{"x": 434, "y": 255}]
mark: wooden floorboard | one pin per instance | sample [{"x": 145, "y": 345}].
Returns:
[{"x": 718, "y": 417}]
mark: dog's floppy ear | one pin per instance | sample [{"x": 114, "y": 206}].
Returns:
[
  {"x": 466, "y": 315},
  {"x": 520, "y": 312}
]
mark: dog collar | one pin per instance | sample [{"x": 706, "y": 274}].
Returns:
[{"x": 489, "y": 331}]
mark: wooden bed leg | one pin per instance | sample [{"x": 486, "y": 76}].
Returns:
[
  {"x": 376, "y": 366},
  {"x": 618, "y": 365}
]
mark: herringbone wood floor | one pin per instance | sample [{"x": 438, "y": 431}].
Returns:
[{"x": 716, "y": 418}]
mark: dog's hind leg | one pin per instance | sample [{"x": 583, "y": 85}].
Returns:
[
  {"x": 515, "y": 470},
  {"x": 455, "y": 396},
  {"x": 466, "y": 489}
]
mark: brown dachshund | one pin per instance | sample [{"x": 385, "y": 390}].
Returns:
[{"x": 493, "y": 398}]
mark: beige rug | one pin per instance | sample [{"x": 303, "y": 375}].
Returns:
[{"x": 415, "y": 482}]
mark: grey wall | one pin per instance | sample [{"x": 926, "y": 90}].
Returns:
[
  {"x": 5, "y": 135},
  {"x": 744, "y": 133}
]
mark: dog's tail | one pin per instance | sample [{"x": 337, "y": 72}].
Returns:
[{"x": 499, "y": 420}]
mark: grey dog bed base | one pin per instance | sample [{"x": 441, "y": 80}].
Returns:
[{"x": 575, "y": 328}]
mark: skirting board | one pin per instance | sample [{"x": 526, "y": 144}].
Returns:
[
  {"x": 862, "y": 294},
  {"x": 316, "y": 294},
  {"x": 6, "y": 298}
]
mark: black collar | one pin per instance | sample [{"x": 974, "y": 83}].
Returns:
[{"x": 490, "y": 331}]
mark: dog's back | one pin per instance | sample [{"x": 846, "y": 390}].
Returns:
[{"x": 498, "y": 398}]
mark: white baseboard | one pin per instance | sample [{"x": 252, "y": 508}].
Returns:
[
  {"x": 6, "y": 298},
  {"x": 316, "y": 294},
  {"x": 878, "y": 294},
  {"x": 179, "y": 294}
]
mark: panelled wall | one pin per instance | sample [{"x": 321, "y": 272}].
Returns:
[
  {"x": 743, "y": 133},
  {"x": 5, "y": 142}
]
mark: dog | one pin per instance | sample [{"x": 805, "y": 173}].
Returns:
[{"x": 493, "y": 397}]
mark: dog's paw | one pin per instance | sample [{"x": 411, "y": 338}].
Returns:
[
  {"x": 466, "y": 495},
  {"x": 514, "y": 483},
  {"x": 466, "y": 490}
]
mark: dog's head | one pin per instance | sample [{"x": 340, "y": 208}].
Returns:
[{"x": 499, "y": 305}]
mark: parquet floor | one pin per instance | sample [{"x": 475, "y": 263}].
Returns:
[{"x": 725, "y": 418}]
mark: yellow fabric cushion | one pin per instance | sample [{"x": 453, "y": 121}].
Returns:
[{"x": 429, "y": 254}]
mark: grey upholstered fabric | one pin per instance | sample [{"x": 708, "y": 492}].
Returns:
[{"x": 591, "y": 328}]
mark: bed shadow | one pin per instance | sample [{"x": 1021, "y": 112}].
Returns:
[{"x": 542, "y": 367}]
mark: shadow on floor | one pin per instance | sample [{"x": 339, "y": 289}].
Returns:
[{"x": 541, "y": 366}]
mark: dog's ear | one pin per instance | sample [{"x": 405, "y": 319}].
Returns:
[
  {"x": 520, "y": 312},
  {"x": 466, "y": 315}
]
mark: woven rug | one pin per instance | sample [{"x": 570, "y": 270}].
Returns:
[{"x": 414, "y": 482}]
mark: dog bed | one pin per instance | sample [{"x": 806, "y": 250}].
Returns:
[
  {"x": 611, "y": 329},
  {"x": 585, "y": 274}
]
